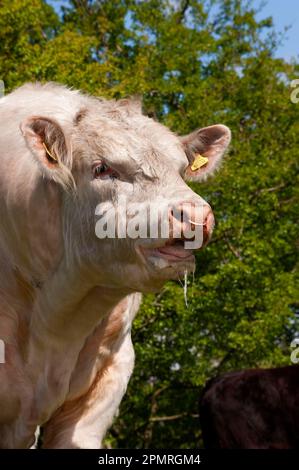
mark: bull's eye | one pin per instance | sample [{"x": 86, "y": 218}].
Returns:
[
  {"x": 100, "y": 169},
  {"x": 103, "y": 171}
]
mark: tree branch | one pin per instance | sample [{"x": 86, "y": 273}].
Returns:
[
  {"x": 182, "y": 11},
  {"x": 173, "y": 417},
  {"x": 148, "y": 433},
  {"x": 267, "y": 190},
  {"x": 233, "y": 250}
]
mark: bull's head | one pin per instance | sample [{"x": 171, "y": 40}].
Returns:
[{"x": 122, "y": 177}]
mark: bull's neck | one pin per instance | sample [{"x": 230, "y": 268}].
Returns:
[{"x": 69, "y": 306}]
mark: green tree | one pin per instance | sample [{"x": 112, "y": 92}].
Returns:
[{"x": 195, "y": 63}]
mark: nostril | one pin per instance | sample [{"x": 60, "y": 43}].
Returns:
[
  {"x": 186, "y": 216},
  {"x": 176, "y": 214},
  {"x": 173, "y": 214}
]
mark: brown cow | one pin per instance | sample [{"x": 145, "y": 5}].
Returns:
[{"x": 252, "y": 409}]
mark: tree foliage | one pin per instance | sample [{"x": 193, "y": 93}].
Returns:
[{"x": 195, "y": 63}]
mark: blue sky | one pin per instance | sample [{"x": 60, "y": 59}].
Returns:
[{"x": 284, "y": 13}]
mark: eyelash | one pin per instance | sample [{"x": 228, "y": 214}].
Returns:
[{"x": 103, "y": 171}]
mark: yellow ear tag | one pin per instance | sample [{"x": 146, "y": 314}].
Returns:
[
  {"x": 49, "y": 153},
  {"x": 199, "y": 161}
]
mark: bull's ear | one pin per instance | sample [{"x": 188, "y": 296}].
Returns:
[
  {"x": 47, "y": 142},
  {"x": 204, "y": 149}
]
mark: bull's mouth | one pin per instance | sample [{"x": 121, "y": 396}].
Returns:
[
  {"x": 170, "y": 254},
  {"x": 175, "y": 251}
]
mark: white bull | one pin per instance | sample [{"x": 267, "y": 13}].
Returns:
[{"x": 67, "y": 297}]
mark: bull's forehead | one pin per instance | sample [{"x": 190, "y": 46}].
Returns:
[{"x": 138, "y": 142}]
